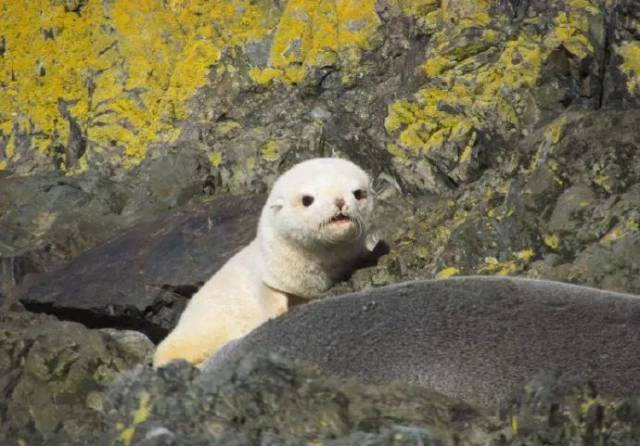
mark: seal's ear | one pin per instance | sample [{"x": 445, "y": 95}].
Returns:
[{"x": 277, "y": 204}]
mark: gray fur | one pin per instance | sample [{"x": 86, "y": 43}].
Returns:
[{"x": 474, "y": 338}]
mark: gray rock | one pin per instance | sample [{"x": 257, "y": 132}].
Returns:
[{"x": 475, "y": 339}]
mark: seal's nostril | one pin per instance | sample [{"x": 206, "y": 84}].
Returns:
[{"x": 339, "y": 203}]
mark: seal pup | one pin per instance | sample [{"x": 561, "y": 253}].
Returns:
[{"x": 312, "y": 231}]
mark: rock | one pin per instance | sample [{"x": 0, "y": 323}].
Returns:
[
  {"x": 475, "y": 339},
  {"x": 553, "y": 409},
  {"x": 52, "y": 375},
  {"x": 258, "y": 400},
  {"x": 574, "y": 193},
  {"x": 622, "y": 77},
  {"x": 48, "y": 220},
  {"x": 142, "y": 279}
]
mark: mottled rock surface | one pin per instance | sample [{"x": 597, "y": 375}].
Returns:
[
  {"x": 47, "y": 220},
  {"x": 52, "y": 375},
  {"x": 273, "y": 401},
  {"x": 258, "y": 399}
]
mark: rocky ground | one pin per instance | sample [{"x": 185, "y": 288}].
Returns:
[{"x": 502, "y": 139}]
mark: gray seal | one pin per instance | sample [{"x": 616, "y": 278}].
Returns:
[{"x": 472, "y": 338}]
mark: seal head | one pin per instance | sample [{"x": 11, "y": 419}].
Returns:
[{"x": 318, "y": 214}]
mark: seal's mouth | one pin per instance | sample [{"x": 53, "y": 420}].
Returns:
[{"x": 340, "y": 218}]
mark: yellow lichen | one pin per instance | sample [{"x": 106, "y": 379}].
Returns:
[
  {"x": 448, "y": 272},
  {"x": 616, "y": 233},
  {"x": 630, "y": 53},
  {"x": 493, "y": 265},
  {"x": 140, "y": 416},
  {"x": 226, "y": 126},
  {"x": 631, "y": 224},
  {"x": 315, "y": 33},
  {"x": 551, "y": 240},
  {"x": 216, "y": 159},
  {"x": 264, "y": 76},
  {"x": 514, "y": 425},
  {"x": 553, "y": 132},
  {"x": 466, "y": 154},
  {"x": 525, "y": 255},
  {"x": 124, "y": 71},
  {"x": 602, "y": 181},
  {"x": 270, "y": 151},
  {"x": 462, "y": 91}
]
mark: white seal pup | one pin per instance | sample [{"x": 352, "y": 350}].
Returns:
[{"x": 312, "y": 230}]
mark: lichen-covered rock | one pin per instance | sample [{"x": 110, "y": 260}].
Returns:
[
  {"x": 562, "y": 206},
  {"x": 52, "y": 374},
  {"x": 560, "y": 410},
  {"x": 474, "y": 103},
  {"x": 270, "y": 400},
  {"x": 274, "y": 401},
  {"x": 439, "y": 87}
]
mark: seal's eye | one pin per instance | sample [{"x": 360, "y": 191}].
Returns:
[
  {"x": 360, "y": 194},
  {"x": 307, "y": 200}
]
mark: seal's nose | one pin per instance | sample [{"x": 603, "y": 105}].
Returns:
[{"x": 340, "y": 203}]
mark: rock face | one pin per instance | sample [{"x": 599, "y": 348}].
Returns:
[
  {"x": 49, "y": 219},
  {"x": 142, "y": 279},
  {"x": 476, "y": 339},
  {"x": 479, "y": 123}
]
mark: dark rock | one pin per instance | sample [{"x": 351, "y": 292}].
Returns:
[
  {"x": 476, "y": 339},
  {"x": 561, "y": 410},
  {"x": 50, "y": 219},
  {"x": 143, "y": 278},
  {"x": 573, "y": 193},
  {"x": 622, "y": 31}
]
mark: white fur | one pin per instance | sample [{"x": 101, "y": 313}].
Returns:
[{"x": 298, "y": 251}]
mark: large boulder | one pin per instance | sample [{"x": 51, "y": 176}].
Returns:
[{"x": 142, "y": 279}]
